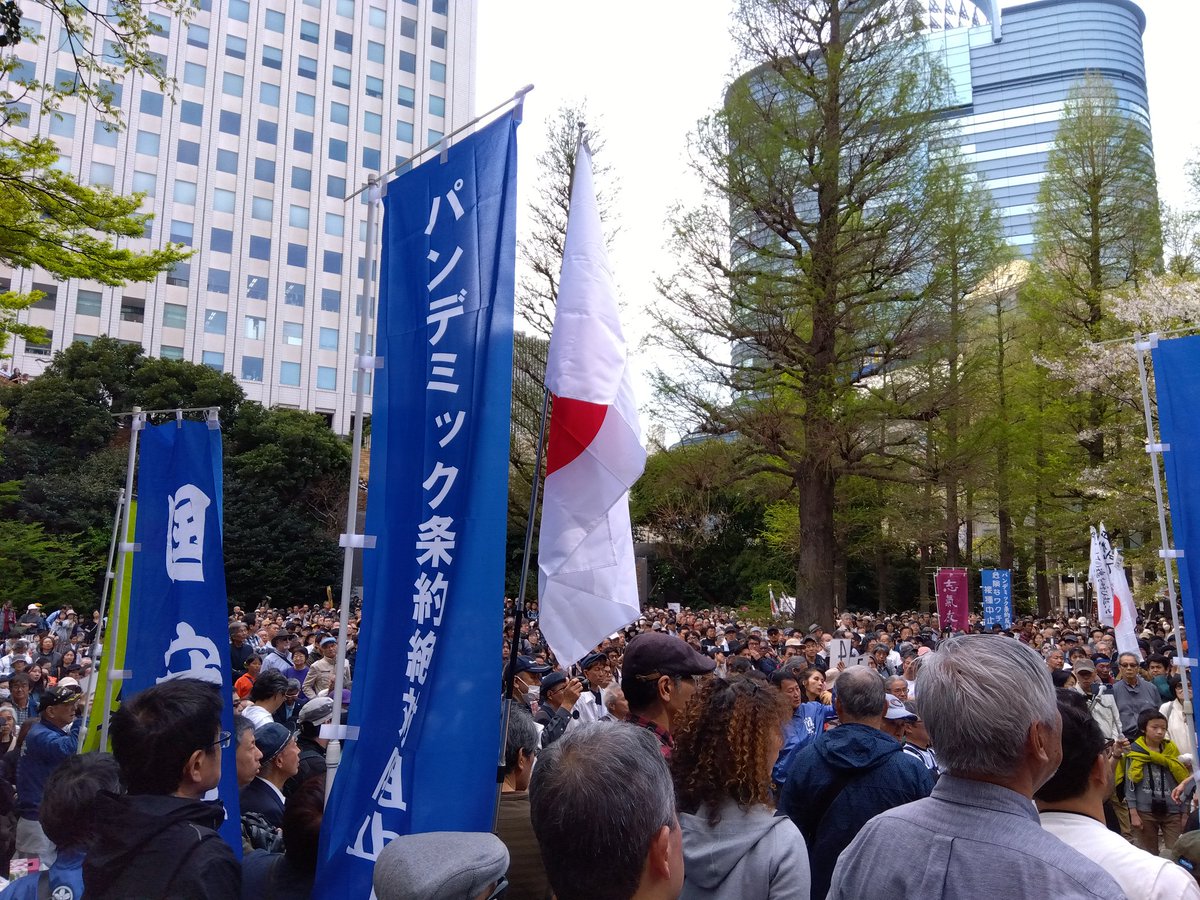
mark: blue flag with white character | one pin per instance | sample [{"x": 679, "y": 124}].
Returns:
[
  {"x": 178, "y": 621},
  {"x": 426, "y": 693}
]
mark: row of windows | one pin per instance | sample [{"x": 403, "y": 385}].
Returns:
[{"x": 88, "y": 303}]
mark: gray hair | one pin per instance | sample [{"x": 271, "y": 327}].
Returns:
[
  {"x": 893, "y": 679},
  {"x": 599, "y": 796},
  {"x": 979, "y": 695},
  {"x": 609, "y": 695},
  {"x": 860, "y": 693},
  {"x": 522, "y": 734},
  {"x": 240, "y": 726}
]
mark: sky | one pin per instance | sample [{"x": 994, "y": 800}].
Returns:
[{"x": 649, "y": 71}]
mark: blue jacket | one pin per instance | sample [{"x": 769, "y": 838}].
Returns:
[
  {"x": 801, "y": 729},
  {"x": 874, "y": 775},
  {"x": 44, "y": 748},
  {"x": 67, "y": 872}
]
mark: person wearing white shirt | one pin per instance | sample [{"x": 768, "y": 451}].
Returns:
[
  {"x": 266, "y": 696},
  {"x": 1071, "y": 806}
]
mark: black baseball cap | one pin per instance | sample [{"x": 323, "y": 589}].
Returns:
[
  {"x": 663, "y": 654},
  {"x": 529, "y": 664},
  {"x": 551, "y": 681},
  {"x": 593, "y": 659}
]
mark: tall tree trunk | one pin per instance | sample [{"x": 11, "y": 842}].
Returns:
[
  {"x": 815, "y": 570},
  {"x": 1040, "y": 581},
  {"x": 1003, "y": 489},
  {"x": 923, "y": 592}
]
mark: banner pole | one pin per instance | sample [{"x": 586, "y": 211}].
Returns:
[
  {"x": 110, "y": 656},
  {"x": 1153, "y": 449},
  {"x": 364, "y": 363},
  {"x": 101, "y": 632}
]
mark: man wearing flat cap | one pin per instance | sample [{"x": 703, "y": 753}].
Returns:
[
  {"x": 557, "y": 711},
  {"x": 658, "y": 678},
  {"x": 598, "y": 674},
  {"x": 280, "y": 761},
  {"x": 441, "y": 865}
]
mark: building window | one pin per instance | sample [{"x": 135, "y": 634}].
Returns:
[
  {"x": 437, "y": 105},
  {"x": 374, "y": 87},
  {"x": 197, "y": 36},
  {"x": 293, "y": 334},
  {"x": 335, "y": 187},
  {"x": 332, "y": 262},
  {"x": 252, "y": 368},
  {"x": 133, "y": 309},
  {"x": 223, "y": 200},
  {"x": 404, "y": 132},
  {"x": 331, "y": 300},
  {"x": 262, "y": 208},
  {"x": 268, "y": 94},
  {"x": 343, "y": 41},
  {"x": 437, "y": 72},
  {"x": 408, "y": 62},
  {"x": 235, "y": 47},
  {"x": 297, "y": 255},
  {"x": 256, "y": 328},
  {"x": 174, "y": 315},
  {"x": 306, "y": 104},
  {"x": 268, "y": 133},
  {"x": 370, "y": 159},
  {"x": 39, "y": 348},
  {"x": 185, "y": 192},
  {"x": 218, "y": 281},
  {"x": 220, "y": 240},
  {"x": 87, "y": 303},
  {"x": 375, "y": 52},
  {"x": 276, "y": 21},
  {"x": 215, "y": 321},
  {"x": 302, "y": 141},
  {"x": 260, "y": 248},
  {"x": 377, "y": 17},
  {"x": 337, "y": 150},
  {"x": 227, "y": 161},
  {"x": 144, "y": 183},
  {"x": 293, "y": 294},
  {"x": 301, "y": 178},
  {"x": 366, "y": 382},
  {"x": 232, "y": 84},
  {"x": 257, "y": 287},
  {"x": 310, "y": 31},
  {"x": 326, "y": 378},
  {"x": 306, "y": 67},
  {"x": 289, "y": 374},
  {"x": 372, "y": 123},
  {"x": 230, "y": 122},
  {"x": 150, "y": 103},
  {"x": 328, "y": 338},
  {"x": 439, "y": 7},
  {"x": 194, "y": 74},
  {"x": 408, "y": 27},
  {"x": 214, "y": 359},
  {"x": 181, "y": 232},
  {"x": 345, "y": 8},
  {"x": 239, "y": 10},
  {"x": 191, "y": 112},
  {"x": 341, "y": 77},
  {"x": 103, "y": 135},
  {"x": 147, "y": 143},
  {"x": 406, "y": 97},
  {"x": 335, "y": 224},
  {"x": 272, "y": 57},
  {"x": 188, "y": 153},
  {"x": 339, "y": 113},
  {"x": 180, "y": 274},
  {"x": 167, "y": 352},
  {"x": 437, "y": 37},
  {"x": 264, "y": 169},
  {"x": 298, "y": 216}
]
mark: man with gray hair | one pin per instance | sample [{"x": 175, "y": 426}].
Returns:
[
  {"x": 989, "y": 706},
  {"x": 603, "y": 809},
  {"x": 847, "y": 775}
]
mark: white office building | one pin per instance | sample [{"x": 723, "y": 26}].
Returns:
[{"x": 283, "y": 107}]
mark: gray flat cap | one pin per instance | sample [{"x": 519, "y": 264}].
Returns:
[{"x": 440, "y": 865}]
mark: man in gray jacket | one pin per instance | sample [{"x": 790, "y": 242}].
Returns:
[{"x": 989, "y": 705}]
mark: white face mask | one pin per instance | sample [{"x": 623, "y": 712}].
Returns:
[{"x": 532, "y": 692}]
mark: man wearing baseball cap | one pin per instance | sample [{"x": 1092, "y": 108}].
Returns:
[
  {"x": 280, "y": 761},
  {"x": 658, "y": 678},
  {"x": 321, "y": 673},
  {"x": 313, "y": 715},
  {"x": 53, "y": 738}
]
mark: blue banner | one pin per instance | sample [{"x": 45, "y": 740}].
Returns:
[
  {"x": 425, "y": 691},
  {"x": 1177, "y": 385},
  {"x": 178, "y": 625},
  {"x": 996, "y": 588}
]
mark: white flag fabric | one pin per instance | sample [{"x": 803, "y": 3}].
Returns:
[
  {"x": 1099, "y": 577},
  {"x": 1124, "y": 614},
  {"x": 587, "y": 583}
]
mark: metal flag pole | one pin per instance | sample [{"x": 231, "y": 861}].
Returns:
[
  {"x": 109, "y": 660},
  {"x": 109, "y": 575},
  {"x": 1167, "y": 552},
  {"x": 351, "y": 540}
]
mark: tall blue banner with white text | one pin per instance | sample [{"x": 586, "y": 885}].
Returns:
[
  {"x": 1177, "y": 387},
  {"x": 425, "y": 688},
  {"x": 996, "y": 591},
  {"x": 178, "y": 624}
]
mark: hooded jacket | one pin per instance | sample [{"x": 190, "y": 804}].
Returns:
[
  {"x": 838, "y": 782},
  {"x": 807, "y": 721},
  {"x": 160, "y": 847},
  {"x": 748, "y": 853}
]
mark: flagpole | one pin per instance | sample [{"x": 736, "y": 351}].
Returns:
[
  {"x": 351, "y": 540},
  {"x": 110, "y": 656},
  {"x": 1154, "y": 449},
  {"x": 109, "y": 575}
]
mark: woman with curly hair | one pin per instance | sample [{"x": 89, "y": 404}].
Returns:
[{"x": 733, "y": 844}]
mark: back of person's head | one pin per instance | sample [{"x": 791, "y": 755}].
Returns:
[
  {"x": 1082, "y": 741},
  {"x": 599, "y": 797},
  {"x": 240, "y": 726},
  {"x": 739, "y": 665},
  {"x": 67, "y": 811},
  {"x": 979, "y": 695},
  {"x": 522, "y": 735},
  {"x": 302, "y": 814},
  {"x": 860, "y": 694},
  {"x": 155, "y": 732},
  {"x": 268, "y": 684},
  {"x": 726, "y": 744}
]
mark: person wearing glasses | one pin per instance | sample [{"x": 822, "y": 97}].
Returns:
[
  {"x": 53, "y": 738},
  {"x": 1134, "y": 695},
  {"x": 659, "y": 678},
  {"x": 160, "y": 839},
  {"x": 1071, "y": 807}
]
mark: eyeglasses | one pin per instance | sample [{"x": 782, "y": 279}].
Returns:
[
  {"x": 222, "y": 741},
  {"x": 1127, "y": 665}
]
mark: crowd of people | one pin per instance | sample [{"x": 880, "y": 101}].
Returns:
[{"x": 691, "y": 755}]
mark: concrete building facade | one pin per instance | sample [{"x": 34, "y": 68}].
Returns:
[{"x": 282, "y": 108}]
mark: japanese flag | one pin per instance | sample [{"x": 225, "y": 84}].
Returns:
[{"x": 587, "y": 582}]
